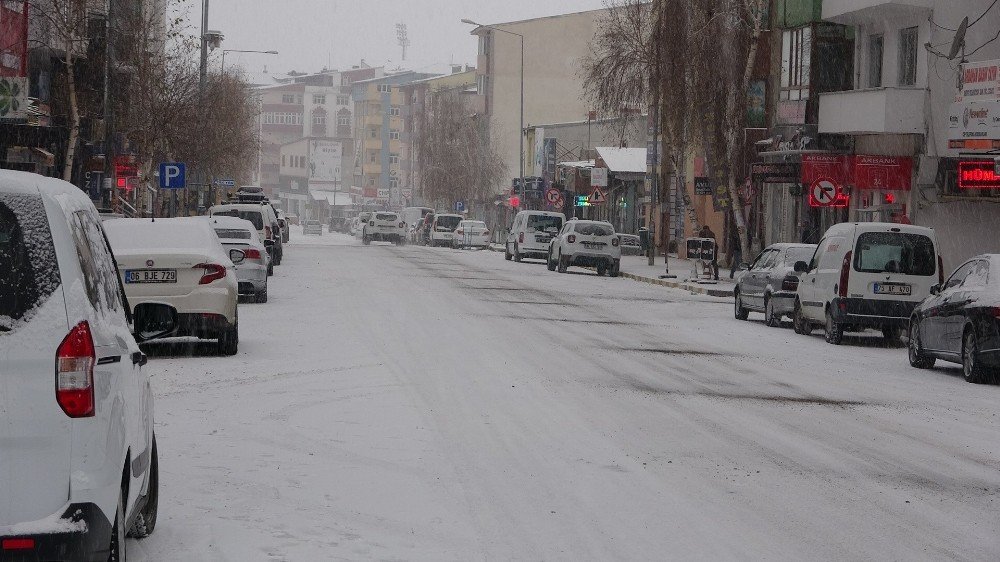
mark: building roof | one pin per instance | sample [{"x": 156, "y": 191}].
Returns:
[
  {"x": 579, "y": 164},
  {"x": 515, "y": 22},
  {"x": 624, "y": 159}
]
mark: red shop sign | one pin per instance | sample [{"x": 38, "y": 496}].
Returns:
[
  {"x": 884, "y": 173},
  {"x": 977, "y": 175}
]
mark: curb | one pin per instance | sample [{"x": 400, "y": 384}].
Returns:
[{"x": 712, "y": 292}]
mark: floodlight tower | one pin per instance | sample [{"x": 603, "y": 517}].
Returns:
[{"x": 402, "y": 37}]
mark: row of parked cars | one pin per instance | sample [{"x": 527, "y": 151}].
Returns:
[
  {"x": 887, "y": 277},
  {"x": 79, "y": 293}
]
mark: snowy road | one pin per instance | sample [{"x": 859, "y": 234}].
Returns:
[{"x": 430, "y": 404}]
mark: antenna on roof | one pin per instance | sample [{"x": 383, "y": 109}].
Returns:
[
  {"x": 402, "y": 37},
  {"x": 958, "y": 44}
]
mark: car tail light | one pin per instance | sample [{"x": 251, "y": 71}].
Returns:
[
  {"x": 790, "y": 283},
  {"x": 486, "y": 233},
  {"x": 18, "y": 544},
  {"x": 520, "y": 238},
  {"x": 614, "y": 241},
  {"x": 212, "y": 272},
  {"x": 996, "y": 312},
  {"x": 251, "y": 254},
  {"x": 571, "y": 238},
  {"x": 460, "y": 232},
  {"x": 940, "y": 270},
  {"x": 845, "y": 274},
  {"x": 75, "y": 361}
]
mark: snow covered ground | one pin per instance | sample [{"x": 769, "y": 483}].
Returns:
[{"x": 431, "y": 404}]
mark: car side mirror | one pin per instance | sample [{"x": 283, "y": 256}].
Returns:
[
  {"x": 935, "y": 289},
  {"x": 801, "y": 267},
  {"x": 153, "y": 320},
  {"x": 237, "y": 256},
  {"x": 269, "y": 242}
]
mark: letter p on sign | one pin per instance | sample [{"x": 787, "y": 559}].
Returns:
[{"x": 172, "y": 175}]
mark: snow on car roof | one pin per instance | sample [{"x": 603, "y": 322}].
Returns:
[
  {"x": 227, "y": 221},
  {"x": 179, "y": 235}
]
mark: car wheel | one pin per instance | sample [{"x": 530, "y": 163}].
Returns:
[
  {"x": 891, "y": 334},
  {"x": 742, "y": 312},
  {"x": 117, "y": 549},
  {"x": 772, "y": 320},
  {"x": 145, "y": 521},
  {"x": 506, "y": 252},
  {"x": 261, "y": 297},
  {"x": 971, "y": 368},
  {"x": 917, "y": 358},
  {"x": 270, "y": 269},
  {"x": 562, "y": 264},
  {"x": 602, "y": 270},
  {"x": 801, "y": 325},
  {"x": 616, "y": 268},
  {"x": 365, "y": 239},
  {"x": 517, "y": 254},
  {"x": 549, "y": 261},
  {"x": 834, "y": 331},
  {"x": 229, "y": 340}
]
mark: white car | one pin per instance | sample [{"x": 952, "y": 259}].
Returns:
[
  {"x": 471, "y": 234},
  {"x": 180, "y": 262},
  {"x": 866, "y": 275},
  {"x": 587, "y": 243},
  {"x": 530, "y": 234},
  {"x": 251, "y": 273},
  {"x": 443, "y": 229},
  {"x": 260, "y": 216},
  {"x": 78, "y": 459},
  {"x": 384, "y": 226},
  {"x": 358, "y": 222}
]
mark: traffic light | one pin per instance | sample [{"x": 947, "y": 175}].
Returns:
[{"x": 515, "y": 201}]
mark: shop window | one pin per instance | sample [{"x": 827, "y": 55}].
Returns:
[{"x": 796, "y": 50}]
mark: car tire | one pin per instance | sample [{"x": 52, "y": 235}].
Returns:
[
  {"x": 602, "y": 270},
  {"x": 562, "y": 264},
  {"x": 741, "y": 312},
  {"x": 365, "y": 239},
  {"x": 834, "y": 332},
  {"x": 517, "y": 254},
  {"x": 229, "y": 339},
  {"x": 917, "y": 358},
  {"x": 891, "y": 334},
  {"x": 770, "y": 318},
  {"x": 145, "y": 521},
  {"x": 116, "y": 551},
  {"x": 549, "y": 262},
  {"x": 261, "y": 297},
  {"x": 801, "y": 325},
  {"x": 270, "y": 270},
  {"x": 616, "y": 268},
  {"x": 972, "y": 369}
]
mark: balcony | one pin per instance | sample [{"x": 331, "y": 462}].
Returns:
[
  {"x": 898, "y": 111},
  {"x": 855, "y": 12}
]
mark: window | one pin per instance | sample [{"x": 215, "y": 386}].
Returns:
[
  {"x": 343, "y": 100},
  {"x": 288, "y": 98},
  {"x": 482, "y": 82},
  {"x": 319, "y": 99},
  {"x": 895, "y": 252},
  {"x": 393, "y": 183},
  {"x": 484, "y": 44},
  {"x": 796, "y": 49},
  {"x": 908, "y": 56},
  {"x": 29, "y": 271},
  {"x": 373, "y": 158},
  {"x": 959, "y": 276},
  {"x": 762, "y": 259},
  {"x": 344, "y": 121},
  {"x": 394, "y": 110},
  {"x": 979, "y": 277},
  {"x": 394, "y": 159},
  {"x": 394, "y": 134},
  {"x": 95, "y": 262},
  {"x": 373, "y": 133},
  {"x": 282, "y": 159},
  {"x": 875, "y": 49},
  {"x": 302, "y": 161},
  {"x": 384, "y": 88},
  {"x": 319, "y": 119}
]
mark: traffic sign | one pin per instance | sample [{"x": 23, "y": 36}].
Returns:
[
  {"x": 172, "y": 175},
  {"x": 823, "y": 192},
  {"x": 598, "y": 197},
  {"x": 459, "y": 206},
  {"x": 226, "y": 182},
  {"x": 552, "y": 195}
]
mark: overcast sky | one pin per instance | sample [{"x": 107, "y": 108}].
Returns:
[{"x": 311, "y": 34}]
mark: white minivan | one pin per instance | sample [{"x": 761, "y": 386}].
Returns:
[
  {"x": 530, "y": 234},
  {"x": 78, "y": 461},
  {"x": 866, "y": 275}
]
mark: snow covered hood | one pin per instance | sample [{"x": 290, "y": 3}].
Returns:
[{"x": 185, "y": 235}]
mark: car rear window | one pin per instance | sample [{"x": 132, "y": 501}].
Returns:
[
  {"x": 233, "y": 233},
  {"x": 793, "y": 255},
  {"x": 386, "y": 217},
  {"x": 594, "y": 229},
  {"x": 544, "y": 223},
  {"x": 450, "y": 223},
  {"x": 256, "y": 217},
  {"x": 895, "y": 252},
  {"x": 29, "y": 272}
]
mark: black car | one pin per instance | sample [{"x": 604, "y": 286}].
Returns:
[{"x": 960, "y": 321}]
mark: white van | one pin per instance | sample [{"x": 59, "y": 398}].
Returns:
[
  {"x": 443, "y": 229},
  {"x": 866, "y": 275},
  {"x": 530, "y": 234}
]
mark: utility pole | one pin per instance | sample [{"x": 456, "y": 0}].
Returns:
[{"x": 107, "y": 180}]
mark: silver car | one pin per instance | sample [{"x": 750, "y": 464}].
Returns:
[
  {"x": 251, "y": 273},
  {"x": 768, "y": 284}
]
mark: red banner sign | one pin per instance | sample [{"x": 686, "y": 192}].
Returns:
[
  {"x": 977, "y": 175},
  {"x": 885, "y": 173},
  {"x": 13, "y": 38}
]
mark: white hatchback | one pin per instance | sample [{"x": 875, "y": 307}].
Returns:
[
  {"x": 180, "y": 262},
  {"x": 587, "y": 243},
  {"x": 471, "y": 234},
  {"x": 251, "y": 273},
  {"x": 78, "y": 460}
]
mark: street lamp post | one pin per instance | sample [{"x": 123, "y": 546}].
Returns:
[
  {"x": 224, "y": 51},
  {"x": 521, "y": 131}
]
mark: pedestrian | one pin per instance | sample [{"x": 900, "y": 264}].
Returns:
[
  {"x": 736, "y": 250},
  {"x": 706, "y": 232}
]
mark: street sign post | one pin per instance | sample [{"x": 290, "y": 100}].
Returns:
[
  {"x": 598, "y": 177},
  {"x": 172, "y": 175},
  {"x": 459, "y": 206}
]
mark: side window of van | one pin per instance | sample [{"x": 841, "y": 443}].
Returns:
[
  {"x": 832, "y": 251},
  {"x": 99, "y": 273},
  {"x": 814, "y": 262}
]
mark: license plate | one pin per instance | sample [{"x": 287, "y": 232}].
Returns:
[
  {"x": 893, "y": 289},
  {"x": 593, "y": 245},
  {"x": 447, "y": 236},
  {"x": 151, "y": 276}
]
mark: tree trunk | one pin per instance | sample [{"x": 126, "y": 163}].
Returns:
[{"x": 74, "y": 114}]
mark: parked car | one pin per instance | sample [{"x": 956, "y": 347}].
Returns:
[
  {"x": 384, "y": 226},
  {"x": 586, "y": 243},
  {"x": 259, "y": 216},
  {"x": 866, "y": 275},
  {"x": 471, "y": 234},
  {"x": 630, "y": 244},
  {"x": 530, "y": 234},
  {"x": 414, "y": 218},
  {"x": 271, "y": 214},
  {"x": 336, "y": 224},
  {"x": 360, "y": 221},
  {"x": 181, "y": 263},
  {"x": 251, "y": 273},
  {"x": 442, "y": 232},
  {"x": 78, "y": 459},
  {"x": 285, "y": 226},
  {"x": 291, "y": 219},
  {"x": 769, "y": 284},
  {"x": 250, "y": 194},
  {"x": 960, "y": 322},
  {"x": 312, "y": 227}
]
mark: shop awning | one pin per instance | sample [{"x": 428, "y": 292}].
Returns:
[
  {"x": 624, "y": 160},
  {"x": 333, "y": 198},
  {"x": 582, "y": 164}
]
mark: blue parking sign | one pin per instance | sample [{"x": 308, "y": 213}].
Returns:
[{"x": 172, "y": 175}]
